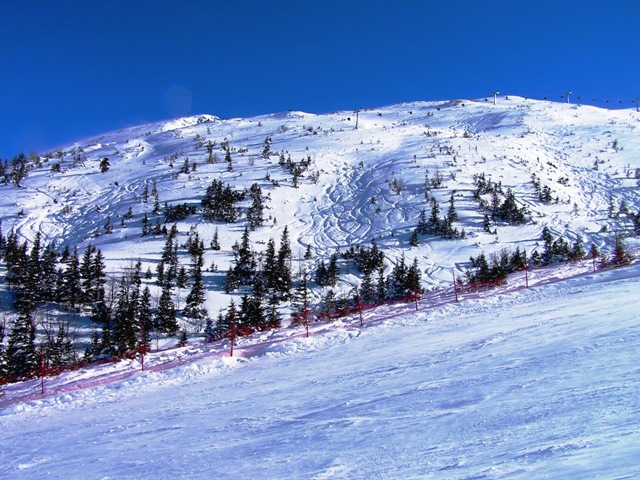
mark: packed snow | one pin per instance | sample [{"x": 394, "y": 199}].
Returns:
[{"x": 538, "y": 383}]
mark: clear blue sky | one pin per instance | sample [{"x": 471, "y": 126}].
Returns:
[{"x": 72, "y": 69}]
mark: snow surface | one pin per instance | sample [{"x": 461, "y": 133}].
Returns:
[
  {"x": 511, "y": 383},
  {"x": 537, "y": 383}
]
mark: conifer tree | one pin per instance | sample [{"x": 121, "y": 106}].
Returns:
[
  {"x": 22, "y": 358},
  {"x": 381, "y": 286},
  {"x": 166, "y": 321},
  {"x": 283, "y": 270},
  {"x": 145, "y": 318},
  {"x": 367, "y": 289},
  {"x": 194, "y": 307},
  {"x": 621, "y": 255},
  {"x": 270, "y": 265},
  {"x": 71, "y": 286},
  {"x": 301, "y": 294},
  {"x": 452, "y": 215},
  {"x": 332, "y": 271},
  {"x": 245, "y": 266},
  {"x": 125, "y": 328},
  {"x": 399, "y": 278},
  {"x": 227, "y": 158},
  {"x": 412, "y": 282},
  {"x": 94, "y": 349},
  {"x": 433, "y": 224},
  {"x": 215, "y": 243},
  {"x": 255, "y": 215}
]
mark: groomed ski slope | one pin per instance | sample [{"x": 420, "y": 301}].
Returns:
[{"x": 540, "y": 383}]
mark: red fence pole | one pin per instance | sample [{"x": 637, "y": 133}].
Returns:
[
  {"x": 359, "y": 307},
  {"x": 233, "y": 330},
  {"x": 142, "y": 346},
  {"x": 455, "y": 285},
  {"x": 306, "y": 313},
  {"x": 42, "y": 370}
]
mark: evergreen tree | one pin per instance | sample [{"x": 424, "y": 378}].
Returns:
[
  {"x": 414, "y": 241},
  {"x": 412, "y": 282},
  {"x": 399, "y": 279},
  {"x": 577, "y": 251},
  {"x": 215, "y": 244},
  {"x": 104, "y": 165},
  {"x": 381, "y": 286},
  {"x": 270, "y": 266},
  {"x": 125, "y": 325},
  {"x": 182, "y": 277},
  {"x": 166, "y": 321},
  {"x": 329, "y": 305},
  {"x": 433, "y": 224},
  {"x": 621, "y": 255},
  {"x": 71, "y": 293},
  {"x": 282, "y": 276},
  {"x": 422, "y": 228},
  {"x": 94, "y": 349},
  {"x": 145, "y": 318},
  {"x": 452, "y": 215},
  {"x": 255, "y": 215},
  {"x": 86, "y": 274},
  {"x": 145, "y": 225},
  {"x": 99, "y": 278},
  {"x": 367, "y": 289},
  {"x": 51, "y": 276},
  {"x": 266, "y": 150},
  {"x": 194, "y": 307},
  {"x": 321, "y": 274},
  {"x": 251, "y": 314},
  {"x": 245, "y": 267},
  {"x": 21, "y": 356},
  {"x": 300, "y": 301},
  {"x": 227, "y": 158}
]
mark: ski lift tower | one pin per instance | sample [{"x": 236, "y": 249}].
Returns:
[
  {"x": 567, "y": 94},
  {"x": 495, "y": 95}
]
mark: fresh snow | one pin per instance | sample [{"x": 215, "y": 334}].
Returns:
[{"x": 539, "y": 383}]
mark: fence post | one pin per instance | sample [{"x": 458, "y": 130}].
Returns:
[
  {"x": 455, "y": 285},
  {"x": 142, "y": 346},
  {"x": 359, "y": 307},
  {"x": 42, "y": 370},
  {"x": 233, "y": 330}
]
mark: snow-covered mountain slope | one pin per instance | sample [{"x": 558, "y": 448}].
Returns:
[
  {"x": 362, "y": 184},
  {"x": 541, "y": 383}
]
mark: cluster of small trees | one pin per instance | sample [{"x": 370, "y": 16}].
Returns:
[
  {"x": 296, "y": 169},
  {"x": 17, "y": 169},
  {"x": 436, "y": 225},
  {"x": 122, "y": 309},
  {"x": 555, "y": 250},
  {"x": 219, "y": 202},
  {"x": 502, "y": 206},
  {"x": 544, "y": 192},
  {"x": 269, "y": 276}
]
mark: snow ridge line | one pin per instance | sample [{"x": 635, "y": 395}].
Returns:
[{"x": 446, "y": 297}]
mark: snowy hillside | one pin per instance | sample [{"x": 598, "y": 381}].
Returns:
[
  {"x": 537, "y": 378},
  {"x": 541, "y": 383},
  {"x": 360, "y": 184}
]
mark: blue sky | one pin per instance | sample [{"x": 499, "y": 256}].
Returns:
[{"x": 73, "y": 69}]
